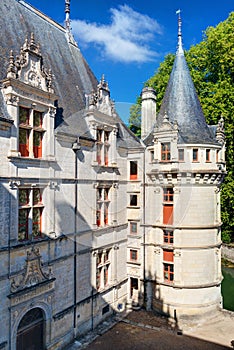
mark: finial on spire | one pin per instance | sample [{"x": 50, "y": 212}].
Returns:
[
  {"x": 180, "y": 46},
  {"x": 67, "y": 13}
]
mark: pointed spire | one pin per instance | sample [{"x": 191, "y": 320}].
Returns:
[
  {"x": 181, "y": 102},
  {"x": 67, "y": 13},
  {"x": 180, "y": 46},
  {"x": 11, "y": 71}
]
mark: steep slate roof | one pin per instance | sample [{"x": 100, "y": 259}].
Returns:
[
  {"x": 181, "y": 104},
  {"x": 73, "y": 77}
]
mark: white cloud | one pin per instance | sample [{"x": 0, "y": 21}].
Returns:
[{"x": 125, "y": 39}]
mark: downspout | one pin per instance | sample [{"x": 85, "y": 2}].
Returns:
[
  {"x": 76, "y": 147},
  {"x": 143, "y": 219},
  {"x": 9, "y": 264}
]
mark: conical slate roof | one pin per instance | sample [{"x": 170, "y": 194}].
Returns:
[{"x": 181, "y": 103}]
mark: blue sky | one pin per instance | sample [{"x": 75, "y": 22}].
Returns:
[{"x": 126, "y": 40}]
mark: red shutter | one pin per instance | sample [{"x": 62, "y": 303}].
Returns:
[
  {"x": 98, "y": 217},
  {"x": 168, "y": 255},
  {"x": 23, "y": 148},
  {"x": 168, "y": 214}
]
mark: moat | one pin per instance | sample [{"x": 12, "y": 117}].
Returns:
[{"x": 228, "y": 288}]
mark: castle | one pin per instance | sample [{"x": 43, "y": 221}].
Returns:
[{"x": 94, "y": 220}]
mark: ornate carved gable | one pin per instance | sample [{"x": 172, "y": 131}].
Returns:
[
  {"x": 28, "y": 67},
  {"x": 166, "y": 125},
  {"x": 220, "y": 133},
  {"x": 33, "y": 272},
  {"x": 100, "y": 99}
]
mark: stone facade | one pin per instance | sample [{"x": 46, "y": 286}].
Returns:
[{"x": 85, "y": 228}]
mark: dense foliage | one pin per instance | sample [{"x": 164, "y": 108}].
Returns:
[{"x": 211, "y": 64}]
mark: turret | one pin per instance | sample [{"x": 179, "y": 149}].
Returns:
[{"x": 183, "y": 234}]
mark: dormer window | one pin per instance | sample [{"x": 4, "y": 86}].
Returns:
[
  {"x": 165, "y": 151},
  {"x": 24, "y": 129},
  {"x": 30, "y": 133},
  {"x": 103, "y": 146}
]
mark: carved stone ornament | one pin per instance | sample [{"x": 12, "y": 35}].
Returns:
[
  {"x": 33, "y": 273},
  {"x": 100, "y": 99},
  {"x": 220, "y": 134},
  {"x": 28, "y": 68}
]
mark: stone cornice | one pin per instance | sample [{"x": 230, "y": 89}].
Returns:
[{"x": 191, "y": 177}]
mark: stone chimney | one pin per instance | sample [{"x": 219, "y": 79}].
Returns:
[{"x": 148, "y": 110}]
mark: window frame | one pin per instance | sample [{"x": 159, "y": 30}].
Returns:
[
  {"x": 181, "y": 155},
  {"x": 103, "y": 268},
  {"x": 165, "y": 151},
  {"x": 133, "y": 199},
  {"x": 131, "y": 225},
  {"x": 168, "y": 194},
  {"x": 102, "y": 146},
  {"x": 31, "y": 129},
  {"x": 133, "y": 164},
  {"x": 208, "y": 154},
  {"x": 168, "y": 237},
  {"x": 30, "y": 207},
  {"x": 133, "y": 253},
  {"x": 195, "y": 155},
  {"x": 168, "y": 272},
  {"x": 102, "y": 206}
]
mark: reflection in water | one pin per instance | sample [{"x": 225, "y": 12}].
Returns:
[{"x": 228, "y": 288}]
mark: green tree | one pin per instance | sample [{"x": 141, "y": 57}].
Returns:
[
  {"x": 135, "y": 118},
  {"x": 211, "y": 64}
]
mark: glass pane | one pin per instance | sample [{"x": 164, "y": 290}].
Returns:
[
  {"x": 36, "y": 215},
  {"x": 23, "y": 136},
  {"x": 106, "y": 135},
  {"x": 23, "y": 224},
  {"x": 23, "y": 197},
  {"x": 36, "y": 196},
  {"x": 37, "y": 136},
  {"x": 133, "y": 200},
  {"x": 133, "y": 227},
  {"x": 106, "y": 191},
  {"x": 23, "y": 115},
  {"x": 37, "y": 119},
  {"x": 99, "y": 135},
  {"x": 36, "y": 230},
  {"x": 23, "y": 216}
]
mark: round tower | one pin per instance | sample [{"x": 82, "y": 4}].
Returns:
[{"x": 183, "y": 224}]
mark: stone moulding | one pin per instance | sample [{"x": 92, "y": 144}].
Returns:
[{"x": 33, "y": 275}]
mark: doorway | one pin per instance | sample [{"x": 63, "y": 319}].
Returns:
[
  {"x": 133, "y": 285},
  {"x": 30, "y": 334}
]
